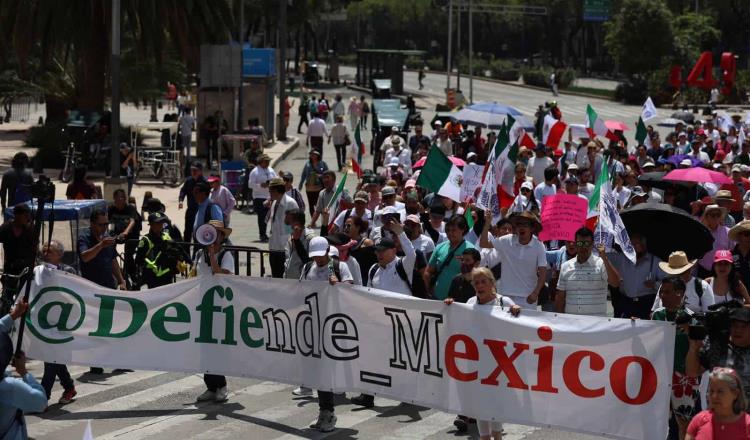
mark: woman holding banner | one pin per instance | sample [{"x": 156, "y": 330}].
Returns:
[
  {"x": 16, "y": 395},
  {"x": 486, "y": 296}
]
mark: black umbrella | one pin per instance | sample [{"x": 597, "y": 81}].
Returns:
[
  {"x": 668, "y": 229},
  {"x": 655, "y": 179}
]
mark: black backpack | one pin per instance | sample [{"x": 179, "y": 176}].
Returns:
[{"x": 417, "y": 286}]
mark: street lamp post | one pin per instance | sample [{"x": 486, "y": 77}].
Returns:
[
  {"x": 450, "y": 44},
  {"x": 115, "y": 79},
  {"x": 282, "y": 69}
]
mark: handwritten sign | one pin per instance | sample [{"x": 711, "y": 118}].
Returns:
[
  {"x": 562, "y": 216},
  {"x": 472, "y": 180}
]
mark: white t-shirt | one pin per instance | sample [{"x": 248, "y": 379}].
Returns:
[
  {"x": 425, "y": 244},
  {"x": 520, "y": 263},
  {"x": 500, "y": 300},
  {"x": 536, "y": 168},
  {"x": 543, "y": 190},
  {"x": 202, "y": 267},
  {"x": 317, "y": 273},
  {"x": 692, "y": 301}
]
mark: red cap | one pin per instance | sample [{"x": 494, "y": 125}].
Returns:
[
  {"x": 723, "y": 255},
  {"x": 700, "y": 132},
  {"x": 558, "y": 153},
  {"x": 213, "y": 179}
]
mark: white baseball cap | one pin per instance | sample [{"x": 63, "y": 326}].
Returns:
[
  {"x": 528, "y": 185},
  {"x": 318, "y": 247}
]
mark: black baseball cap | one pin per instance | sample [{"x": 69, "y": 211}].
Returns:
[
  {"x": 385, "y": 243},
  {"x": 157, "y": 217},
  {"x": 197, "y": 165}
]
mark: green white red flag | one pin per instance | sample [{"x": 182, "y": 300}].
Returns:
[{"x": 596, "y": 126}]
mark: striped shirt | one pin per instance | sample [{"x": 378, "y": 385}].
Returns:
[{"x": 585, "y": 286}]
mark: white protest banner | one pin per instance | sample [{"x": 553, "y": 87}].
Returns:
[
  {"x": 472, "y": 180},
  {"x": 578, "y": 373},
  {"x": 487, "y": 199},
  {"x": 562, "y": 216}
]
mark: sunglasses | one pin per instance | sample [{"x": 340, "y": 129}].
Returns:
[
  {"x": 583, "y": 243},
  {"x": 102, "y": 224}
]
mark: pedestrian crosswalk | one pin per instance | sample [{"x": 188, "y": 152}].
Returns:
[{"x": 159, "y": 405}]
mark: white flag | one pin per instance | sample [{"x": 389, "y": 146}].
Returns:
[
  {"x": 611, "y": 228},
  {"x": 487, "y": 199},
  {"x": 648, "y": 110},
  {"x": 87, "y": 435}
]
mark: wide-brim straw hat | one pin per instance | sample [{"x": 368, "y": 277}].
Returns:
[
  {"x": 219, "y": 225},
  {"x": 677, "y": 263},
  {"x": 742, "y": 226},
  {"x": 526, "y": 215}
]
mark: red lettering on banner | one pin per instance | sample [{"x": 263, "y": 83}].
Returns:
[
  {"x": 572, "y": 378},
  {"x": 544, "y": 365},
  {"x": 618, "y": 380},
  {"x": 545, "y": 368},
  {"x": 505, "y": 363},
  {"x": 471, "y": 352}
]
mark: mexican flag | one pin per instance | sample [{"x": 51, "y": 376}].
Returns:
[
  {"x": 356, "y": 168},
  {"x": 507, "y": 157},
  {"x": 440, "y": 175},
  {"x": 333, "y": 205},
  {"x": 602, "y": 185},
  {"x": 553, "y": 131},
  {"x": 595, "y": 125},
  {"x": 641, "y": 135},
  {"x": 610, "y": 228},
  {"x": 359, "y": 143}
]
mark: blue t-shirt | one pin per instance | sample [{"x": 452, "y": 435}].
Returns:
[{"x": 99, "y": 269}]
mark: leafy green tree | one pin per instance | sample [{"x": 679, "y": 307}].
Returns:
[
  {"x": 640, "y": 35},
  {"x": 694, "y": 33}
]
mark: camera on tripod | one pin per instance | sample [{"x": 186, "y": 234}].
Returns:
[{"x": 43, "y": 189}]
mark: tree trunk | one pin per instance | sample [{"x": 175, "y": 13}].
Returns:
[
  {"x": 94, "y": 60},
  {"x": 296, "y": 52}
]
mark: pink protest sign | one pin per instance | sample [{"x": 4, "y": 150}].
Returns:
[{"x": 562, "y": 216}]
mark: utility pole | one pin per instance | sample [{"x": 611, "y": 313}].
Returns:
[
  {"x": 450, "y": 44},
  {"x": 471, "y": 53},
  {"x": 282, "y": 69},
  {"x": 241, "y": 40},
  {"x": 458, "y": 46},
  {"x": 114, "y": 75}
]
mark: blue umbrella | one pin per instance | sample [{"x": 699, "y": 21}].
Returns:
[{"x": 495, "y": 107}]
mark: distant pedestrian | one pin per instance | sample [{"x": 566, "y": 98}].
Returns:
[
  {"x": 365, "y": 111},
  {"x": 316, "y": 131},
  {"x": 186, "y": 191},
  {"x": 187, "y": 125},
  {"x": 291, "y": 191},
  {"x": 259, "y": 178},
  {"x": 16, "y": 185},
  {"x": 280, "y": 204},
  {"x": 302, "y": 110},
  {"x": 340, "y": 136},
  {"x": 553, "y": 82},
  {"x": 420, "y": 77},
  {"x": 222, "y": 196},
  {"x": 311, "y": 178},
  {"x": 355, "y": 112}
]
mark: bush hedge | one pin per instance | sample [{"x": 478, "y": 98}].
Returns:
[{"x": 540, "y": 77}]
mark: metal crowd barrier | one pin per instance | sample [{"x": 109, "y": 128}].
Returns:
[{"x": 255, "y": 261}]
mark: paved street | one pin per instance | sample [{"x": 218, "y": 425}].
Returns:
[{"x": 159, "y": 405}]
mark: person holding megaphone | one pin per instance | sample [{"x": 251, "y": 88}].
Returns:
[
  {"x": 16, "y": 395},
  {"x": 213, "y": 259}
]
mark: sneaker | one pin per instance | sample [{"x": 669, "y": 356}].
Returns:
[
  {"x": 67, "y": 396},
  {"x": 363, "y": 400},
  {"x": 221, "y": 395},
  {"x": 460, "y": 424},
  {"x": 96, "y": 370},
  {"x": 206, "y": 396},
  {"x": 326, "y": 421},
  {"x": 303, "y": 391}
]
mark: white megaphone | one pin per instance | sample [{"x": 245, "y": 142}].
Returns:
[{"x": 206, "y": 234}]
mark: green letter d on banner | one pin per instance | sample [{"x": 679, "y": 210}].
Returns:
[{"x": 106, "y": 313}]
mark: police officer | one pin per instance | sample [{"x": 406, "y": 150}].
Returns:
[{"x": 156, "y": 259}]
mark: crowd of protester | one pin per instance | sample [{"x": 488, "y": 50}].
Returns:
[{"x": 392, "y": 234}]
